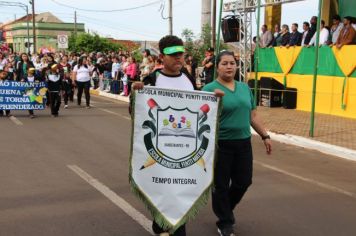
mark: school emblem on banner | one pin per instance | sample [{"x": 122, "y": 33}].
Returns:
[{"x": 173, "y": 147}]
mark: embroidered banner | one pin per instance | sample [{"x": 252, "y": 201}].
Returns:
[{"x": 173, "y": 147}]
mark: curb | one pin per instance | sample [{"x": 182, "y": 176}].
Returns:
[
  {"x": 325, "y": 148},
  {"x": 110, "y": 95},
  {"x": 299, "y": 141}
]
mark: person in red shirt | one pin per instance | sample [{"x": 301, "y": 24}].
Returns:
[{"x": 131, "y": 72}]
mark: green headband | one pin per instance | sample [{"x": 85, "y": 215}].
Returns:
[{"x": 173, "y": 49}]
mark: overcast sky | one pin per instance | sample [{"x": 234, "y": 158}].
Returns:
[{"x": 144, "y": 23}]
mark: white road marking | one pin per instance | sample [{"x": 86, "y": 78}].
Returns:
[
  {"x": 311, "y": 181},
  {"x": 113, "y": 113},
  {"x": 15, "y": 120},
  {"x": 113, "y": 197}
]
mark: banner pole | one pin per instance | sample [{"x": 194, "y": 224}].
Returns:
[
  {"x": 257, "y": 48},
  {"x": 312, "y": 118},
  {"x": 217, "y": 45}
]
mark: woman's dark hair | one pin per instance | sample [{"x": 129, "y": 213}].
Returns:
[
  {"x": 25, "y": 55},
  {"x": 221, "y": 54},
  {"x": 80, "y": 62},
  {"x": 50, "y": 56},
  {"x": 169, "y": 41},
  {"x": 148, "y": 52}
]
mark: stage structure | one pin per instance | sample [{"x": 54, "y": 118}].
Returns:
[{"x": 243, "y": 10}]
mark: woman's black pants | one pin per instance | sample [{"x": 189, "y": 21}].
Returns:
[{"x": 232, "y": 177}]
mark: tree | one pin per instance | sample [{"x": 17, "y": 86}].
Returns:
[
  {"x": 197, "y": 47},
  {"x": 88, "y": 43},
  {"x": 188, "y": 37}
]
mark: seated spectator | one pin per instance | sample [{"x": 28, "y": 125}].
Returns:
[
  {"x": 336, "y": 28},
  {"x": 295, "y": 36},
  {"x": 347, "y": 34},
  {"x": 324, "y": 35},
  {"x": 266, "y": 37}
]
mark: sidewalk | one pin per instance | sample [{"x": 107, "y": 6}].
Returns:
[
  {"x": 329, "y": 129},
  {"x": 333, "y": 135}
]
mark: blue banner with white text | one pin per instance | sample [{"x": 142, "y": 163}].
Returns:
[{"x": 16, "y": 95}]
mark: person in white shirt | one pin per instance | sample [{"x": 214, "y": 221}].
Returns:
[
  {"x": 324, "y": 35},
  {"x": 336, "y": 28},
  {"x": 81, "y": 74},
  {"x": 115, "y": 68}
]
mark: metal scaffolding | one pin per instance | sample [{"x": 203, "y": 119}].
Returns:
[{"x": 243, "y": 10}]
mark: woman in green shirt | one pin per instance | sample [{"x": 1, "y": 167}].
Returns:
[{"x": 233, "y": 170}]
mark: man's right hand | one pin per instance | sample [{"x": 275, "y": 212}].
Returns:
[{"x": 137, "y": 86}]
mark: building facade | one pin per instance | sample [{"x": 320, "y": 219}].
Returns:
[{"x": 18, "y": 33}]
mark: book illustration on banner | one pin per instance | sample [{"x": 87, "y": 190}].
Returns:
[
  {"x": 183, "y": 128},
  {"x": 176, "y": 137}
]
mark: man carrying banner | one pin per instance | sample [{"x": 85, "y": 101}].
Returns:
[{"x": 170, "y": 77}]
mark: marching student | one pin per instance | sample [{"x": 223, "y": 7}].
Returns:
[
  {"x": 54, "y": 88},
  {"x": 233, "y": 168},
  {"x": 171, "y": 77},
  {"x": 4, "y": 77},
  {"x": 32, "y": 77}
]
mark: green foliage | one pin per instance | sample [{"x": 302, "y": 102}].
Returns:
[
  {"x": 89, "y": 43},
  {"x": 197, "y": 47},
  {"x": 137, "y": 55}
]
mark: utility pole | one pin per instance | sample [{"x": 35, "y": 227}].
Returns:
[
  {"x": 170, "y": 17},
  {"x": 32, "y": 2},
  {"x": 75, "y": 23},
  {"x": 213, "y": 29},
  {"x": 205, "y": 13},
  {"x": 28, "y": 30}
]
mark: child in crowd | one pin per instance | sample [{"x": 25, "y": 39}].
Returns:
[
  {"x": 32, "y": 77},
  {"x": 54, "y": 87},
  {"x": 4, "y": 77}
]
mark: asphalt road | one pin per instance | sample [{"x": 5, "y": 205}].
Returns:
[{"x": 295, "y": 191}]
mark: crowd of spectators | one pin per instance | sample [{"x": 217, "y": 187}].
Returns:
[
  {"x": 111, "y": 71},
  {"x": 340, "y": 33}
]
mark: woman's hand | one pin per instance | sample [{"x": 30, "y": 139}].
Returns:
[
  {"x": 268, "y": 145},
  {"x": 219, "y": 93},
  {"x": 137, "y": 86}
]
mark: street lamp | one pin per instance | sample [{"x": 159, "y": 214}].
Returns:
[{"x": 25, "y": 7}]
